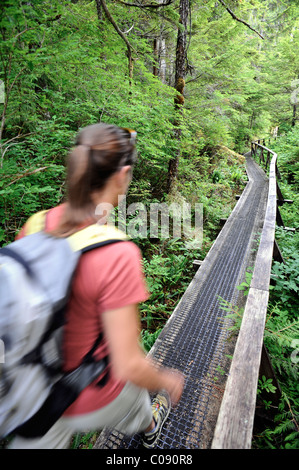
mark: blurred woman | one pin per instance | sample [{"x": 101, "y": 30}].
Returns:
[{"x": 107, "y": 288}]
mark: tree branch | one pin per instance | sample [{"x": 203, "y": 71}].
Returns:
[
  {"x": 147, "y": 5},
  {"x": 121, "y": 34},
  {"x": 238, "y": 19},
  {"x": 111, "y": 19},
  {"x": 27, "y": 173}
]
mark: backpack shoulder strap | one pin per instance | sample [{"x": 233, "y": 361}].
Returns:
[
  {"x": 90, "y": 237},
  {"x": 35, "y": 223},
  {"x": 95, "y": 236}
]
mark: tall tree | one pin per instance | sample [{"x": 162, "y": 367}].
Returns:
[{"x": 180, "y": 75}]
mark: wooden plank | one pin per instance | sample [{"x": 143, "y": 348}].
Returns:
[
  {"x": 263, "y": 262},
  {"x": 280, "y": 202},
  {"x": 235, "y": 421}
]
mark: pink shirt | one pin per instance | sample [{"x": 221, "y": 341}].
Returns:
[{"x": 107, "y": 278}]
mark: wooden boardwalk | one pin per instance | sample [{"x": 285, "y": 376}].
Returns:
[{"x": 194, "y": 340}]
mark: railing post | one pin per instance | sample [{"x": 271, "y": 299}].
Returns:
[
  {"x": 279, "y": 220},
  {"x": 277, "y": 255},
  {"x": 268, "y": 159},
  {"x": 277, "y": 172},
  {"x": 280, "y": 197}
]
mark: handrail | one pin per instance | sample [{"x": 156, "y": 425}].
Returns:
[{"x": 236, "y": 416}]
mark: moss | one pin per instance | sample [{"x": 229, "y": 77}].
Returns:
[
  {"x": 180, "y": 85},
  {"x": 179, "y": 99}
]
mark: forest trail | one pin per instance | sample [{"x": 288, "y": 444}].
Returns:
[{"x": 195, "y": 338}]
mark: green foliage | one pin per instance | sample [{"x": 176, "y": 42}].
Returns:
[
  {"x": 266, "y": 384},
  {"x": 245, "y": 285},
  {"x": 84, "y": 440},
  {"x": 148, "y": 339},
  {"x": 234, "y": 314},
  {"x": 286, "y": 279},
  {"x": 168, "y": 270},
  {"x": 288, "y": 162}
]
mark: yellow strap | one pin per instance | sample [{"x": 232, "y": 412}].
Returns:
[
  {"x": 94, "y": 234},
  {"x": 35, "y": 223},
  {"x": 90, "y": 235}
]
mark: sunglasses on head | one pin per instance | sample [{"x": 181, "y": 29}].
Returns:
[{"x": 132, "y": 135}]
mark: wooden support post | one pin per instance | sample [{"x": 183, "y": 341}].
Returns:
[
  {"x": 268, "y": 159},
  {"x": 287, "y": 201},
  {"x": 280, "y": 199},
  {"x": 280, "y": 202},
  {"x": 279, "y": 220},
  {"x": 197, "y": 264},
  {"x": 277, "y": 255},
  {"x": 279, "y": 193},
  {"x": 277, "y": 172}
]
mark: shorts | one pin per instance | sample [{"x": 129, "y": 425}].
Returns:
[{"x": 129, "y": 413}]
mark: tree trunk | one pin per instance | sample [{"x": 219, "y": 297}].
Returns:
[
  {"x": 294, "y": 115},
  {"x": 180, "y": 73},
  {"x": 99, "y": 12}
]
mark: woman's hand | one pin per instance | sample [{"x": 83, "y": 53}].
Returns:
[
  {"x": 129, "y": 363},
  {"x": 174, "y": 381}
]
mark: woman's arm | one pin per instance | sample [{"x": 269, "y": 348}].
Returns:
[{"x": 129, "y": 362}]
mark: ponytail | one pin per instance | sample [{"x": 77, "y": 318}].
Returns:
[{"x": 78, "y": 175}]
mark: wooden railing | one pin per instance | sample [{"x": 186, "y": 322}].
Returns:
[{"x": 236, "y": 416}]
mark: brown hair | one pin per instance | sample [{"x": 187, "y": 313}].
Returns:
[{"x": 100, "y": 151}]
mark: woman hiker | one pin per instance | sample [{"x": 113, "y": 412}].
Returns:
[{"x": 106, "y": 290}]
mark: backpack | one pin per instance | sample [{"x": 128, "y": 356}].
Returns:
[{"x": 36, "y": 274}]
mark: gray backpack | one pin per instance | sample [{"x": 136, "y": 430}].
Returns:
[{"x": 36, "y": 273}]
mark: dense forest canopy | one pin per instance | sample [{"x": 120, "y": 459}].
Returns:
[{"x": 187, "y": 75}]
